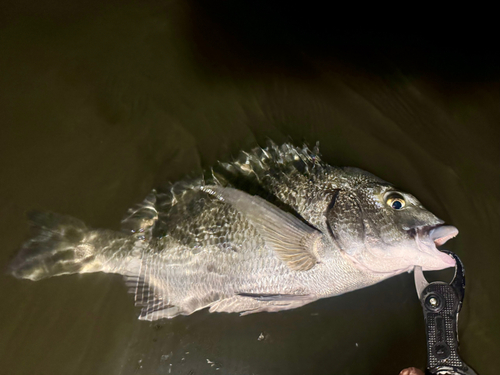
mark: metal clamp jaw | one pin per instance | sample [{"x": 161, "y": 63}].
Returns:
[{"x": 441, "y": 303}]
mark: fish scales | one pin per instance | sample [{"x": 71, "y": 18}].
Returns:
[{"x": 273, "y": 230}]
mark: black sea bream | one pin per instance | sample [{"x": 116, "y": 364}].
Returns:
[{"x": 272, "y": 231}]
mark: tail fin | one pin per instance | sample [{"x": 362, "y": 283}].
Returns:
[{"x": 57, "y": 246}]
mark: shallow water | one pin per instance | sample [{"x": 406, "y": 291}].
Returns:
[{"x": 101, "y": 103}]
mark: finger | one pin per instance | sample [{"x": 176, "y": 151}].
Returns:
[{"x": 411, "y": 371}]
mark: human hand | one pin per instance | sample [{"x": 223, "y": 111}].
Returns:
[{"x": 411, "y": 371}]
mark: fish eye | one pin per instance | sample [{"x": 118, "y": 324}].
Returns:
[{"x": 396, "y": 201}]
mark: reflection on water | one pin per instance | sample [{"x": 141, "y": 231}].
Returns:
[{"x": 101, "y": 103}]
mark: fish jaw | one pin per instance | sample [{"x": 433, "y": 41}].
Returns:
[
  {"x": 418, "y": 250},
  {"x": 427, "y": 239}
]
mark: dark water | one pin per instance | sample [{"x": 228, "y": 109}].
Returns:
[{"x": 101, "y": 103}]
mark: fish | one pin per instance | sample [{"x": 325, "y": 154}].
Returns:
[{"x": 274, "y": 229}]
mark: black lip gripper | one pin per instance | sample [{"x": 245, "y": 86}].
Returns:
[{"x": 441, "y": 303}]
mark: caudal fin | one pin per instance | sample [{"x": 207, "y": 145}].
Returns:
[{"x": 58, "y": 246}]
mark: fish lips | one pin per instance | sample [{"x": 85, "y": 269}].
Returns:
[
  {"x": 428, "y": 238},
  {"x": 442, "y": 233}
]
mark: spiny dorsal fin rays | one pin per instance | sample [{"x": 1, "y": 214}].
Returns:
[
  {"x": 274, "y": 162},
  {"x": 262, "y": 162},
  {"x": 293, "y": 241}
]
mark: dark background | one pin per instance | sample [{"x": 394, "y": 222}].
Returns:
[{"x": 102, "y": 101}]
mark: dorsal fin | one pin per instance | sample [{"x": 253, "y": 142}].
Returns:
[
  {"x": 263, "y": 162},
  {"x": 141, "y": 219}
]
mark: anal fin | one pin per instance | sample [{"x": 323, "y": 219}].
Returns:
[{"x": 150, "y": 292}]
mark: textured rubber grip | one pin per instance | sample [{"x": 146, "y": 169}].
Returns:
[{"x": 441, "y": 306}]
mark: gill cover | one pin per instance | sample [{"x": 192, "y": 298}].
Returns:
[{"x": 345, "y": 222}]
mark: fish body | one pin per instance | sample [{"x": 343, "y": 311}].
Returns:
[{"x": 273, "y": 230}]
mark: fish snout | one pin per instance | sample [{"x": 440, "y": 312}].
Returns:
[
  {"x": 442, "y": 233},
  {"x": 431, "y": 237}
]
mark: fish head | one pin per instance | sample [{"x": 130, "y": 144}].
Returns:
[{"x": 385, "y": 230}]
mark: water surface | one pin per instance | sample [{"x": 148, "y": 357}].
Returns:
[{"x": 101, "y": 103}]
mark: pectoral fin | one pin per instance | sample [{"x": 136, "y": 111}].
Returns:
[{"x": 293, "y": 241}]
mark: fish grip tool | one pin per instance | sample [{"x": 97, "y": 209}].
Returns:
[{"x": 441, "y": 304}]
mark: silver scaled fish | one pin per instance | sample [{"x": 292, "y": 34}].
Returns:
[{"x": 273, "y": 230}]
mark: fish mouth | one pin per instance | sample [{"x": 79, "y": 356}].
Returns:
[
  {"x": 428, "y": 238},
  {"x": 421, "y": 250},
  {"x": 442, "y": 233}
]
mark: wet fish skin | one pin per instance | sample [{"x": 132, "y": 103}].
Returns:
[{"x": 301, "y": 230}]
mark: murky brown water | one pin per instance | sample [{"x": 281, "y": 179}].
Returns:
[{"x": 101, "y": 103}]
